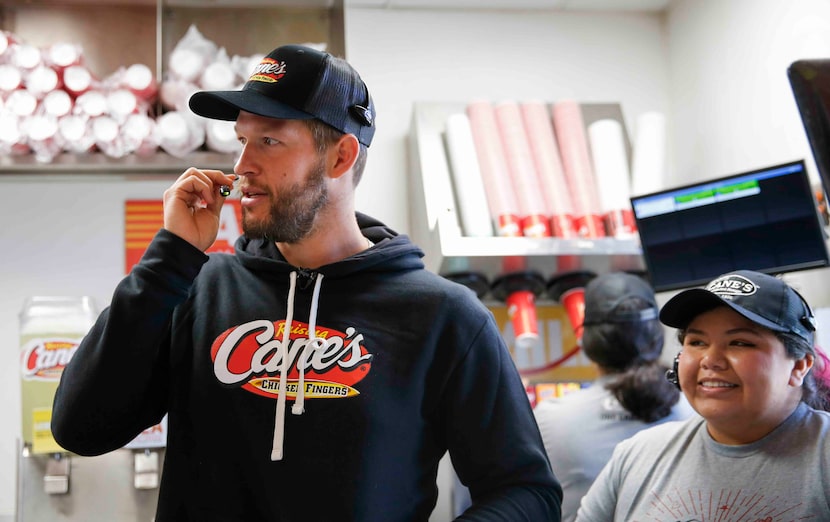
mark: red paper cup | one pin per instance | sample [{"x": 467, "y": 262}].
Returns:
[
  {"x": 562, "y": 226},
  {"x": 121, "y": 103},
  {"x": 43, "y": 139},
  {"x": 536, "y": 226},
  {"x": 57, "y": 103},
  {"x": 42, "y": 80},
  {"x": 91, "y": 104},
  {"x": 76, "y": 133},
  {"x": 21, "y": 103},
  {"x": 174, "y": 94},
  {"x": 139, "y": 79},
  {"x": 186, "y": 64},
  {"x": 139, "y": 133},
  {"x": 11, "y": 78},
  {"x": 62, "y": 55},
  {"x": 573, "y": 301},
  {"x": 620, "y": 223},
  {"x": 509, "y": 225},
  {"x": 218, "y": 76},
  {"x": 77, "y": 80},
  {"x": 220, "y": 136},
  {"x": 12, "y": 139},
  {"x": 25, "y": 56},
  {"x": 590, "y": 226},
  {"x": 6, "y": 41},
  {"x": 521, "y": 308}
]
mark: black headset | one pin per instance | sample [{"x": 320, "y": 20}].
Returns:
[
  {"x": 808, "y": 320},
  {"x": 671, "y": 374}
]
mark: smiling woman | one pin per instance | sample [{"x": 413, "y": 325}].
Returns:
[{"x": 750, "y": 368}]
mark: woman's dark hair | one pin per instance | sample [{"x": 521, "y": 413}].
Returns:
[
  {"x": 815, "y": 391},
  {"x": 629, "y": 350}
]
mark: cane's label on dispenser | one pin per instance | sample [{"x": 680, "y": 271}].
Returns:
[
  {"x": 51, "y": 330},
  {"x": 42, "y": 362},
  {"x": 45, "y": 359}
]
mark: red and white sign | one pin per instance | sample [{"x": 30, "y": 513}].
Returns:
[{"x": 145, "y": 217}]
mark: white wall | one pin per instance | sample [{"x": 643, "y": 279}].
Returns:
[
  {"x": 417, "y": 55},
  {"x": 732, "y": 105}
]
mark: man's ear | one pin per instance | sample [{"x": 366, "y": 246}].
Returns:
[
  {"x": 343, "y": 154},
  {"x": 800, "y": 369}
]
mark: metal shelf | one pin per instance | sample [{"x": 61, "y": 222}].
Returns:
[
  {"x": 97, "y": 163},
  {"x": 435, "y": 223}
]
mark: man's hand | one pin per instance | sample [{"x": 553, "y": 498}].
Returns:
[{"x": 192, "y": 205}]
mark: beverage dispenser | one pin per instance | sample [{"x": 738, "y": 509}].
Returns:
[
  {"x": 52, "y": 484},
  {"x": 51, "y": 328}
]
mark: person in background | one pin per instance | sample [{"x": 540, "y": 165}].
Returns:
[
  {"x": 760, "y": 449},
  {"x": 320, "y": 372},
  {"x": 623, "y": 337}
]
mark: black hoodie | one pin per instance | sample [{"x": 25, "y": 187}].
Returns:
[{"x": 405, "y": 366}]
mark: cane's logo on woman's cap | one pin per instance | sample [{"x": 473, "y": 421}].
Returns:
[
  {"x": 731, "y": 286},
  {"x": 268, "y": 71}
]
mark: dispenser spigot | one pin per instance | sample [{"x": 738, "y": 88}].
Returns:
[
  {"x": 146, "y": 469},
  {"x": 56, "y": 478}
]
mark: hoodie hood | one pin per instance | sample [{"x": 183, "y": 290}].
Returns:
[{"x": 392, "y": 251}]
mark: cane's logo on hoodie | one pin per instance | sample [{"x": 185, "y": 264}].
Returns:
[{"x": 251, "y": 355}]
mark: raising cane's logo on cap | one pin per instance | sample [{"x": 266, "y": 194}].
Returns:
[
  {"x": 251, "y": 355},
  {"x": 268, "y": 71},
  {"x": 732, "y": 286}
]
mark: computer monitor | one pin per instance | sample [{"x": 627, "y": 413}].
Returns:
[
  {"x": 810, "y": 83},
  {"x": 764, "y": 220}
]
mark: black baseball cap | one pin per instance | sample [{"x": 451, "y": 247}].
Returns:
[
  {"x": 605, "y": 293},
  {"x": 763, "y": 299},
  {"x": 297, "y": 82},
  {"x": 621, "y": 326}
]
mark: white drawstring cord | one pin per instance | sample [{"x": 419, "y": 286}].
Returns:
[
  {"x": 313, "y": 344},
  {"x": 279, "y": 416}
]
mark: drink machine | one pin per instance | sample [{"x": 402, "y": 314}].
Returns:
[
  {"x": 51, "y": 328},
  {"x": 52, "y": 484}
]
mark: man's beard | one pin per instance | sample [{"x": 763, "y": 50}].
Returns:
[{"x": 293, "y": 210}]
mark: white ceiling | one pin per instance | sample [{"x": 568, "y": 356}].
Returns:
[
  {"x": 554, "y": 5},
  {"x": 563, "y": 5}
]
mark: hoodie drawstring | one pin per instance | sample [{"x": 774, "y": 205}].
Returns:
[
  {"x": 314, "y": 343},
  {"x": 279, "y": 416}
]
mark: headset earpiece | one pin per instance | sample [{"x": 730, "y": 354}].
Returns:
[
  {"x": 808, "y": 320},
  {"x": 671, "y": 375}
]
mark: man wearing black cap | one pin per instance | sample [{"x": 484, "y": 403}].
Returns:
[
  {"x": 319, "y": 373},
  {"x": 760, "y": 449}
]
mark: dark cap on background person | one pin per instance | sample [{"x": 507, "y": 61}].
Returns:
[
  {"x": 763, "y": 299},
  {"x": 621, "y": 326},
  {"x": 297, "y": 82}
]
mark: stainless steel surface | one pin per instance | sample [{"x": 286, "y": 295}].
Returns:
[{"x": 101, "y": 489}]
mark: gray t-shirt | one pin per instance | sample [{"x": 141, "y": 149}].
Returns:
[
  {"x": 677, "y": 472},
  {"x": 581, "y": 429}
]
